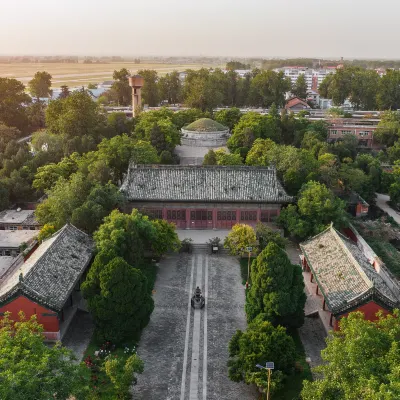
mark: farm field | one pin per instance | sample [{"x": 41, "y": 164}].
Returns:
[{"x": 78, "y": 74}]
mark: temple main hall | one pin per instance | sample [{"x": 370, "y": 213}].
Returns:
[{"x": 205, "y": 197}]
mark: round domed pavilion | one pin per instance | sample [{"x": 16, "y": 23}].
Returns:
[{"x": 205, "y": 133}]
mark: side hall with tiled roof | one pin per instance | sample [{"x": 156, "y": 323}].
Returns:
[
  {"x": 218, "y": 195},
  {"x": 345, "y": 276},
  {"x": 44, "y": 283}
]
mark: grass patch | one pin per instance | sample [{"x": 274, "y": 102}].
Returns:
[
  {"x": 244, "y": 268},
  {"x": 294, "y": 383}
]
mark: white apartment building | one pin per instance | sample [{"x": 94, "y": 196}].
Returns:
[{"x": 314, "y": 77}]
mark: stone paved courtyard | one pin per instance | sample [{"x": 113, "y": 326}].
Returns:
[{"x": 185, "y": 351}]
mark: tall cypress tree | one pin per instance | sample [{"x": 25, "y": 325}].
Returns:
[{"x": 277, "y": 289}]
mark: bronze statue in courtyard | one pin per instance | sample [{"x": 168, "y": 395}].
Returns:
[{"x": 198, "y": 300}]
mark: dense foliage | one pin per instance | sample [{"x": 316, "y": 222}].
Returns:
[
  {"x": 31, "y": 370},
  {"x": 361, "y": 361},
  {"x": 240, "y": 238},
  {"x": 261, "y": 342},
  {"x": 277, "y": 289}
]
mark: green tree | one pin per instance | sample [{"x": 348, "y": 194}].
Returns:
[
  {"x": 65, "y": 92},
  {"x": 239, "y": 238},
  {"x": 261, "y": 342},
  {"x": 269, "y": 87},
  {"x": 316, "y": 208},
  {"x": 121, "y": 87},
  {"x": 128, "y": 235},
  {"x": 266, "y": 235},
  {"x": 210, "y": 158},
  {"x": 150, "y": 88},
  {"x": 31, "y": 370},
  {"x": 388, "y": 97},
  {"x": 202, "y": 90},
  {"x": 46, "y": 231},
  {"x": 118, "y": 298},
  {"x": 360, "y": 361},
  {"x": 228, "y": 117},
  {"x": 299, "y": 89},
  {"x": 144, "y": 153},
  {"x": 388, "y": 131},
  {"x": 170, "y": 87},
  {"x": 13, "y": 100},
  {"x": 7, "y": 133},
  {"x": 121, "y": 375},
  {"x": 277, "y": 289},
  {"x": 364, "y": 89},
  {"x": 224, "y": 158},
  {"x": 119, "y": 123},
  {"x": 78, "y": 119},
  {"x": 92, "y": 86},
  {"x": 166, "y": 237},
  {"x": 40, "y": 85}
]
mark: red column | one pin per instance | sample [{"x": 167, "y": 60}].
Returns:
[
  {"x": 323, "y": 305},
  {"x": 164, "y": 213},
  {"x": 258, "y": 214},
  {"x": 311, "y": 277},
  {"x": 214, "y": 216},
  {"x": 316, "y": 290},
  {"x": 188, "y": 218},
  {"x": 238, "y": 216}
]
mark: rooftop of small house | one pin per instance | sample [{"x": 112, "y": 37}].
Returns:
[
  {"x": 49, "y": 275},
  {"x": 343, "y": 272},
  {"x": 18, "y": 216},
  {"x": 14, "y": 239}
]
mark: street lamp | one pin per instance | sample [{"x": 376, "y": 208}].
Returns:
[
  {"x": 249, "y": 250},
  {"x": 269, "y": 366}
]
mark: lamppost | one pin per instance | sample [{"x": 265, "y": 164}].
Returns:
[
  {"x": 269, "y": 366},
  {"x": 249, "y": 250}
]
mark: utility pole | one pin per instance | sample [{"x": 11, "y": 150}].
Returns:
[
  {"x": 269, "y": 366},
  {"x": 249, "y": 250}
]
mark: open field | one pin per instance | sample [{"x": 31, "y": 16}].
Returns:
[{"x": 78, "y": 74}]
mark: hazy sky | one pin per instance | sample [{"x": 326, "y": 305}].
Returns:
[{"x": 268, "y": 28}]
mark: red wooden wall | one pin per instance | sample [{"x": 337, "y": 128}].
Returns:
[{"x": 21, "y": 303}]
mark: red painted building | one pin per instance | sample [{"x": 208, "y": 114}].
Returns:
[
  {"x": 209, "y": 197},
  {"x": 345, "y": 277},
  {"x": 47, "y": 283}
]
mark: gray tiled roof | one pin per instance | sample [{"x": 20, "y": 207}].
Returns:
[
  {"x": 52, "y": 271},
  {"x": 208, "y": 183},
  {"x": 343, "y": 272}
]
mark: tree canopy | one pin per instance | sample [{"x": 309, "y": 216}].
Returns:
[
  {"x": 316, "y": 208},
  {"x": 261, "y": 342},
  {"x": 361, "y": 361},
  {"x": 277, "y": 289},
  {"x": 239, "y": 238},
  {"x": 31, "y": 370}
]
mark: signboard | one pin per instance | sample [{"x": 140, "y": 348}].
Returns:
[
  {"x": 249, "y": 249},
  {"x": 270, "y": 365},
  {"x": 215, "y": 248}
]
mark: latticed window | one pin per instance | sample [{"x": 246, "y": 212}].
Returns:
[
  {"x": 176, "y": 215},
  {"x": 248, "y": 216},
  {"x": 153, "y": 213}
]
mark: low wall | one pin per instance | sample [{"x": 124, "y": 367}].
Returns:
[{"x": 204, "y": 139}]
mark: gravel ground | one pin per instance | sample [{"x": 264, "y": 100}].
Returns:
[{"x": 177, "y": 335}]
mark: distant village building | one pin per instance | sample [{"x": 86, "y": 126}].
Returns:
[
  {"x": 345, "y": 277},
  {"x": 362, "y": 129},
  {"x": 47, "y": 281},
  {"x": 18, "y": 219},
  {"x": 205, "y": 197},
  {"x": 296, "y": 104},
  {"x": 205, "y": 133},
  {"x": 13, "y": 241}
]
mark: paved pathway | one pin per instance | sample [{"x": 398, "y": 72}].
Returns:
[
  {"x": 79, "y": 333},
  {"x": 313, "y": 332},
  {"x": 381, "y": 202},
  {"x": 185, "y": 351}
]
